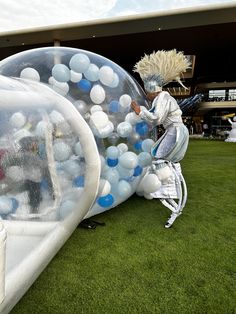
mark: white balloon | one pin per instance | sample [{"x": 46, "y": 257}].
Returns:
[
  {"x": 106, "y": 75},
  {"x": 15, "y": 173},
  {"x": 124, "y": 129},
  {"x": 164, "y": 173},
  {"x": 132, "y": 118},
  {"x": 97, "y": 94},
  {"x": 128, "y": 160},
  {"x": 60, "y": 88},
  {"x": 104, "y": 187},
  {"x": 125, "y": 101},
  {"x": 95, "y": 108},
  {"x": 30, "y": 74},
  {"x": 56, "y": 117},
  {"x": 75, "y": 77},
  {"x": 99, "y": 119},
  {"x": 106, "y": 131},
  {"x": 51, "y": 80},
  {"x": 150, "y": 183},
  {"x": 115, "y": 81},
  {"x": 148, "y": 196},
  {"x": 122, "y": 148},
  {"x": 17, "y": 120}
]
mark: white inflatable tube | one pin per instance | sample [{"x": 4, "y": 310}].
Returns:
[
  {"x": 2, "y": 261},
  {"x": 31, "y": 245}
]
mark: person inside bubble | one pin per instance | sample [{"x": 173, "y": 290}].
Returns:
[
  {"x": 156, "y": 70},
  {"x": 24, "y": 171}
]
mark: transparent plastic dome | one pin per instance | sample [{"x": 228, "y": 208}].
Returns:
[
  {"x": 101, "y": 92},
  {"x": 42, "y": 173}
]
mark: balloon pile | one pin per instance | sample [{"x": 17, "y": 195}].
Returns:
[
  {"x": 41, "y": 161},
  {"x": 102, "y": 93}
]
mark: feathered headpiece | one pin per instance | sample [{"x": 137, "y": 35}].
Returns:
[{"x": 160, "y": 68}]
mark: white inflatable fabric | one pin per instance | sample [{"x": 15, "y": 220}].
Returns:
[
  {"x": 30, "y": 245},
  {"x": 3, "y": 237}
]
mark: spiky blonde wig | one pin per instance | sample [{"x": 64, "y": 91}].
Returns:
[{"x": 161, "y": 67}]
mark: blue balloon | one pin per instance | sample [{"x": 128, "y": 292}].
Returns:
[
  {"x": 78, "y": 181},
  {"x": 106, "y": 200},
  {"x": 138, "y": 145},
  {"x": 15, "y": 204},
  {"x": 84, "y": 85},
  {"x": 114, "y": 106},
  {"x": 141, "y": 128},
  {"x": 137, "y": 171},
  {"x": 112, "y": 162},
  {"x": 44, "y": 184}
]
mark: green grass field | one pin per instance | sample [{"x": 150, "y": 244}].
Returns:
[{"x": 134, "y": 265}]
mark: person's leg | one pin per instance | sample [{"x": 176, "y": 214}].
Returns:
[
  {"x": 34, "y": 193},
  {"x": 167, "y": 144}
]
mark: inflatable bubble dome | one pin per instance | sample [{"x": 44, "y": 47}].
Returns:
[{"x": 69, "y": 140}]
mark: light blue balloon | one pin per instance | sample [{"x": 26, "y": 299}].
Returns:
[
  {"x": 79, "y": 63},
  {"x": 6, "y": 205},
  {"x": 92, "y": 74},
  {"x": 62, "y": 151},
  {"x": 72, "y": 167},
  {"x": 144, "y": 159},
  {"x": 124, "y": 189},
  {"x": 61, "y": 73},
  {"x": 124, "y": 173},
  {"x": 112, "y": 152},
  {"x": 114, "y": 106},
  {"x": 112, "y": 175},
  {"x": 78, "y": 150},
  {"x": 147, "y": 145}
]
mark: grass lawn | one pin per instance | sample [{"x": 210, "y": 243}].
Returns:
[{"x": 134, "y": 265}]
